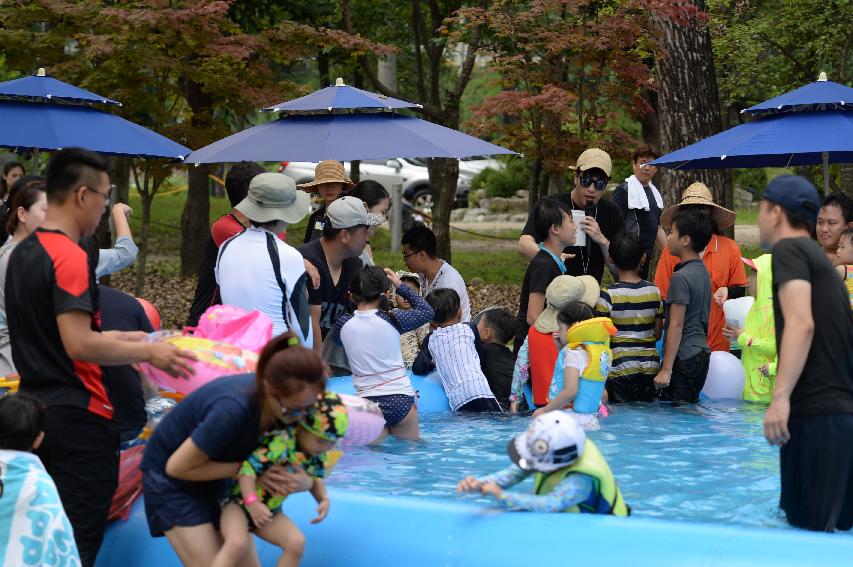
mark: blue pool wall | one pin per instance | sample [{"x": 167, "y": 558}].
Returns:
[{"x": 372, "y": 530}]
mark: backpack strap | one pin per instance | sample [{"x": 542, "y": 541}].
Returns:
[{"x": 272, "y": 248}]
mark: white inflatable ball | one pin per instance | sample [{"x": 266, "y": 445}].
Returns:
[{"x": 726, "y": 377}]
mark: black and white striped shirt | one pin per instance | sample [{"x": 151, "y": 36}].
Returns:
[{"x": 452, "y": 349}]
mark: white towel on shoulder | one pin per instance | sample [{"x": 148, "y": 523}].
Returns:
[{"x": 637, "y": 196}]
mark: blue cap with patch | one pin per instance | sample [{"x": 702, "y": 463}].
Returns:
[{"x": 793, "y": 192}]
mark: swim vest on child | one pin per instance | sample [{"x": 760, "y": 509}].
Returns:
[
  {"x": 542, "y": 353},
  {"x": 605, "y": 498},
  {"x": 848, "y": 281},
  {"x": 593, "y": 335}
]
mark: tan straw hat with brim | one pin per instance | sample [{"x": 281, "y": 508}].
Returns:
[
  {"x": 328, "y": 171},
  {"x": 273, "y": 197},
  {"x": 699, "y": 194},
  {"x": 562, "y": 291}
]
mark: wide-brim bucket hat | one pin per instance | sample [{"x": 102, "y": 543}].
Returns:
[
  {"x": 699, "y": 194},
  {"x": 328, "y": 171},
  {"x": 562, "y": 291},
  {"x": 274, "y": 197}
]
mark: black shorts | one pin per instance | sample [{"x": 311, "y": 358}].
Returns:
[
  {"x": 395, "y": 407},
  {"x": 816, "y": 466},
  {"x": 481, "y": 405},
  {"x": 167, "y": 506},
  {"x": 688, "y": 379},
  {"x": 637, "y": 388},
  {"x": 80, "y": 451}
]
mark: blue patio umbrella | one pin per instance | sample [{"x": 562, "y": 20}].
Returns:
[
  {"x": 47, "y": 126},
  {"x": 41, "y": 87},
  {"x": 344, "y": 137},
  {"x": 341, "y": 97},
  {"x": 820, "y": 95}
]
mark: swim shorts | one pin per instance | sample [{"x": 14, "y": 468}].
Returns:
[{"x": 395, "y": 407}]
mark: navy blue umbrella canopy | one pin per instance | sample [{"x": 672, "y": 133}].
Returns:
[
  {"x": 341, "y": 97},
  {"x": 344, "y": 137},
  {"x": 41, "y": 87},
  {"x": 781, "y": 140},
  {"x": 820, "y": 95},
  {"x": 43, "y": 126}
]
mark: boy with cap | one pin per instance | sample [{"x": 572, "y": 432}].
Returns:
[
  {"x": 336, "y": 257},
  {"x": 330, "y": 181},
  {"x": 571, "y": 473},
  {"x": 602, "y": 222},
  {"x": 811, "y": 412},
  {"x": 255, "y": 270}
]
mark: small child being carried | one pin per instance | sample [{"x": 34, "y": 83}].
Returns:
[
  {"x": 248, "y": 506},
  {"x": 844, "y": 256},
  {"x": 410, "y": 341},
  {"x": 582, "y": 365},
  {"x": 571, "y": 473}
]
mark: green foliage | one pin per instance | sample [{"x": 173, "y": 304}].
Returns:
[
  {"x": 503, "y": 182},
  {"x": 751, "y": 179}
]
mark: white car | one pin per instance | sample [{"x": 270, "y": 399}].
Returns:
[{"x": 411, "y": 172}]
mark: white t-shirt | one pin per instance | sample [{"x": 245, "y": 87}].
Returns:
[
  {"x": 372, "y": 345},
  {"x": 447, "y": 276},
  {"x": 246, "y": 279},
  {"x": 452, "y": 349}
]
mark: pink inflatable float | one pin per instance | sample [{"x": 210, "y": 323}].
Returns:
[
  {"x": 215, "y": 359},
  {"x": 365, "y": 421}
]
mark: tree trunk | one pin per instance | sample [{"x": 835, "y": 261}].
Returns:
[
  {"x": 323, "y": 69},
  {"x": 688, "y": 105},
  {"x": 847, "y": 178},
  {"x": 650, "y": 122},
  {"x": 195, "y": 218},
  {"x": 443, "y": 176},
  {"x": 120, "y": 178},
  {"x": 535, "y": 176},
  {"x": 142, "y": 257}
]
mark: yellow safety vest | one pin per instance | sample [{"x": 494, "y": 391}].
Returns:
[
  {"x": 594, "y": 336},
  {"x": 606, "y": 498}
]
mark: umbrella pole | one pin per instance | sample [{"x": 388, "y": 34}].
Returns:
[{"x": 826, "y": 172}]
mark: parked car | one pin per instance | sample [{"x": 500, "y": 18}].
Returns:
[{"x": 411, "y": 172}]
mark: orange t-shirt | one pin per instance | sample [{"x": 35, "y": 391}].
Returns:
[
  {"x": 722, "y": 259},
  {"x": 542, "y": 353}
]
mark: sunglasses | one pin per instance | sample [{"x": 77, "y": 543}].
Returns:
[{"x": 588, "y": 179}]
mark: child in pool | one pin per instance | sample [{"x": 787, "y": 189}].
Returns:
[
  {"x": 249, "y": 507},
  {"x": 571, "y": 473},
  {"x": 410, "y": 342},
  {"x": 582, "y": 365},
  {"x": 844, "y": 257},
  {"x": 371, "y": 339}
]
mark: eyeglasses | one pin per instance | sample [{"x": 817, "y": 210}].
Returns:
[
  {"x": 646, "y": 165},
  {"x": 588, "y": 179},
  {"x": 405, "y": 256},
  {"x": 106, "y": 195}
]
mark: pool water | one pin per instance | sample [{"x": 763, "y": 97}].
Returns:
[{"x": 705, "y": 463}]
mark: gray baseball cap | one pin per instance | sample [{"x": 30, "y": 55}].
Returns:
[
  {"x": 348, "y": 212},
  {"x": 272, "y": 197}
]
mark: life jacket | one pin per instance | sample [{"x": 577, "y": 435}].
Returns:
[
  {"x": 848, "y": 281},
  {"x": 542, "y": 353},
  {"x": 605, "y": 498},
  {"x": 593, "y": 335}
]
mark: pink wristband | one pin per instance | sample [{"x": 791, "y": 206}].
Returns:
[{"x": 250, "y": 499}]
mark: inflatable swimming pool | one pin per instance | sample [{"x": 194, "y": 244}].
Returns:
[{"x": 391, "y": 506}]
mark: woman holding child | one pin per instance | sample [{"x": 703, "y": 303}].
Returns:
[{"x": 202, "y": 443}]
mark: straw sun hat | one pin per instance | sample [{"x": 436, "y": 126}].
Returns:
[
  {"x": 328, "y": 171},
  {"x": 562, "y": 291},
  {"x": 699, "y": 194}
]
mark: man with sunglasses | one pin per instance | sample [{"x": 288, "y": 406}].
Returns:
[
  {"x": 641, "y": 204},
  {"x": 602, "y": 222}
]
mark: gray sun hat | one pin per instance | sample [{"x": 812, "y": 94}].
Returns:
[
  {"x": 273, "y": 197},
  {"x": 347, "y": 212}
]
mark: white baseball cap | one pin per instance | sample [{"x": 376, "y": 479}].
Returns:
[
  {"x": 553, "y": 440},
  {"x": 348, "y": 212}
]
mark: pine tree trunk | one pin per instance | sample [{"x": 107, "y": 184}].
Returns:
[
  {"x": 688, "y": 105},
  {"x": 443, "y": 176}
]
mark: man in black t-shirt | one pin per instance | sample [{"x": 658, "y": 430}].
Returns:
[
  {"x": 811, "y": 413},
  {"x": 602, "y": 222},
  {"x": 642, "y": 204},
  {"x": 336, "y": 257},
  {"x": 54, "y": 323}
]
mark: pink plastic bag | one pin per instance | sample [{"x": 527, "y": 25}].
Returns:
[{"x": 234, "y": 326}]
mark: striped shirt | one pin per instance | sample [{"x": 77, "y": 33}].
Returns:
[
  {"x": 633, "y": 308},
  {"x": 452, "y": 349}
]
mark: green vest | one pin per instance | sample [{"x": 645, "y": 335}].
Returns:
[{"x": 605, "y": 498}]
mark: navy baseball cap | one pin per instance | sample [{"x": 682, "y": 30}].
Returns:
[{"x": 793, "y": 192}]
